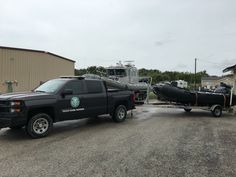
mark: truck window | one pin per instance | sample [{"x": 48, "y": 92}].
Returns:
[
  {"x": 94, "y": 86},
  {"x": 120, "y": 72},
  {"x": 76, "y": 86},
  {"x": 110, "y": 72}
]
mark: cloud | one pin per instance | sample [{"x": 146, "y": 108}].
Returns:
[
  {"x": 180, "y": 67},
  {"x": 229, "y": 62},
  {"x": 167, "y": 40},
  {"x": 157, "y": 34}
]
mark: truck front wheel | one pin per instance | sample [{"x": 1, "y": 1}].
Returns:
[
  {"x": 39, "y": 125},
  {"x": 120, "y": 113}
]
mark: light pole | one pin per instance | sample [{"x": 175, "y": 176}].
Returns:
[{"x": 195, "y": 74}]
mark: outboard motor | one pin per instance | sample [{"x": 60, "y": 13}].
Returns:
[{"x": 223, "y": 88}]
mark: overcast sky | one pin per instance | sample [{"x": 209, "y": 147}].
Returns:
[{"x": 156, "y": 34}]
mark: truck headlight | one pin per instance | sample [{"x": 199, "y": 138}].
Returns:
[
  {"x": 15, "y": 103},
  {"x": 15, "y": 106},
  {"x": 13, "y": 110}
]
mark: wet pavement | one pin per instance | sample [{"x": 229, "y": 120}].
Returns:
[{"x": 154, "y": 142}]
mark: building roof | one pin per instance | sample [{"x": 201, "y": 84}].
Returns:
[
  {"x": 215, "y": 78},
  {"x": 39, "y": 51},
  {"x": 230, "y": 68},
  {"x": 212, "y": 78}
]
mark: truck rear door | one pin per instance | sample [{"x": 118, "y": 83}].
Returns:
[{"x": 96, "y": 97}]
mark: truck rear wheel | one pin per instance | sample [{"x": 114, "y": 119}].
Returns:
[
  {"x": 120, "y": 113},
  {"x": 39, "y": 125}
]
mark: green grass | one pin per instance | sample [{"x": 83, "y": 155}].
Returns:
[{"x": 152, "y": 96}]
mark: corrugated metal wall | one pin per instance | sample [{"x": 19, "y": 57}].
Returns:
[{"x": 29, "y": 68}]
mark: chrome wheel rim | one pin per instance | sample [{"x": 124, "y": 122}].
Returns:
[
  {"x": 121, "y": 113},
  {"x": 40, "y": 126}
]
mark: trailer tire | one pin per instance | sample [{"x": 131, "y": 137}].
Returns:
[
  {"x": 217, "y": 111},
  {"x": 120, "y": 113}
]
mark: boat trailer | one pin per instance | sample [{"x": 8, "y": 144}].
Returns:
[{"x": 216, "y": 109}]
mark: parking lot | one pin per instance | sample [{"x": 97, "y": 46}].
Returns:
[{"x": 154, "y": 142}]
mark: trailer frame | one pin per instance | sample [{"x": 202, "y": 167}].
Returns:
[{"x": 215, "y": 109}]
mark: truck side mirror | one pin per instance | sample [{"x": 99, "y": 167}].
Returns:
[{"x": 67, "y": 92}]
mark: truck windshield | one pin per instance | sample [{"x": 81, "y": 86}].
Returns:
[
  {"x": 110, "y": 72},
  {"x": 50, "y": 86},
  {"x": 120, "y": 72}
]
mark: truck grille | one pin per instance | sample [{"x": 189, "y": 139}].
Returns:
[
  {"x": 4, "y": 106},
  {"x": 2, "y": 110}
]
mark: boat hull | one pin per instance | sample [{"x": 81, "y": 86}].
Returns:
[{"x": 191, "y": 98}]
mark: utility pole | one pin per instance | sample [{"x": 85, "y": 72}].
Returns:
[{"x": 195, "y": 74}]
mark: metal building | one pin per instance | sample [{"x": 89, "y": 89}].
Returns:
[{"x": 24, "y": 69}]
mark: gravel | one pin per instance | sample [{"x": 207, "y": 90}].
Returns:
[{"x": 154, "y": 142}]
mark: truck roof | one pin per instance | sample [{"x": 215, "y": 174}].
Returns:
[{"x": 78, "y": 78}]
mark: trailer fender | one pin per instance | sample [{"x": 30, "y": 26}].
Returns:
[{"x": 214, "y": 106}]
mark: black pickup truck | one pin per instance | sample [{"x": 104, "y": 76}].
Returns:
[{"x": 61, "y": 99}]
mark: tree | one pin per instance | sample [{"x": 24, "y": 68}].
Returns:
[
  {"x": 157, "y": 75},
  {"x": 91, "y": 70}
]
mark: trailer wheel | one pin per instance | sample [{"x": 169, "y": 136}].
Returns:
[
  {"x": 217, "y": 111},
  {"x": 187, "y": 109},
  {"x": 120, "y": 113}
]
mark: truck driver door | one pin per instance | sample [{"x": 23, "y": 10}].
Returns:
[{"x": 71, "y": 101}]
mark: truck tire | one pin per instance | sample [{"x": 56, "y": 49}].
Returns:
[
  {"x": 217, "y": 111},
  {"x": 120, "y": 113},
  {"x": 40, "y": 125}
]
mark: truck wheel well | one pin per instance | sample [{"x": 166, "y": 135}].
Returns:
[
  {"x": 125, "y": 103},
  {"x": 46, "y": 110}
]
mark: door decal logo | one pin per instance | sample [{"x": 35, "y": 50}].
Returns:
[{"x": 74, "y": 102}]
